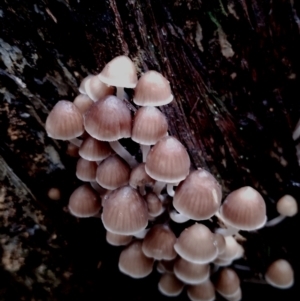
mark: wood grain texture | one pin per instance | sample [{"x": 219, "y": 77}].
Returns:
[{"x": 233, "y": 66}]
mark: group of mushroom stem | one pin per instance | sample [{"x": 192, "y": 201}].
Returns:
[{"x": 137, "y": 200}]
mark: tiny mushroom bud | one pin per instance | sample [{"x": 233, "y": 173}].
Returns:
[
  {"x": 286, "y": 207},
  {"x": 54, "y": 194},
  {"x": 280, "y": 274},
  {"x": 84, "y": 202}
]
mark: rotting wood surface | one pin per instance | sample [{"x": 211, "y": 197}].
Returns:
[{"x": 234, "y": 70}]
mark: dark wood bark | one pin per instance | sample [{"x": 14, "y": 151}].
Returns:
[{"x": 234, "y": 69}]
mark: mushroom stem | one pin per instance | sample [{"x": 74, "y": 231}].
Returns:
[
  {"x": 76, "y": 141},
  {"x": 120, "y": 92},
  {"x": 178, "y": 217},
  {"x": 145, "y": 150},
  {"x": 170, "y": 189},
  {"x": 158, "y": 187},
  {"x": 123, "y": 153},
  {"x": 227, "y": 232},
  {"x": 142, "y": 190},
  {"x": 275, "y": 221}
]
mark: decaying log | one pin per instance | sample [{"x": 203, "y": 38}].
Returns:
[{"x": 233, "y": 66}]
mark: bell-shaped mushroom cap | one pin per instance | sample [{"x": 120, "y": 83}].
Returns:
[
  {"x": 124, "y": 211},
  {"x": 220, "y": 243},
  {"x": 165, "y": 266},
  {"x": 159, "y": 243},
  {"x": 82, "y": 84},
  {"x": 113, "y": 172},
  {"x": 149, "y": 125},
  {"x": 108, "y": 119},
  {"x": 199, "y": 196},
  {"x": 152, "y": 89},
  {"x": 82, "y": 102},
  {"x": 86, "y": 170},
  {"x": 237, "y": 296},
  {"x": 168, "y": 161},
  {"x": 65, "y": 121},
  {"x": 96, "y": 89},
  {"x": 202, "y": 292},
  {"x": 197, "y": 244},
  {"x": 227, "y": 283},
  {"x": 94, "y": 150},
  {"x": 244, "y": 209},
  {"x": 72, "y": 150},
  {"x": 155, "y": 207},
  {"x": 133, "y": 262},
  {"x": 280, "y": 274},
  {"x": 232, "y": 248},
  {"x": 84, "y": 202},
  {"x": 189, "y": 272},
  {"x": 119, "y": 72},
  {"x": 287, "y": 206},
  {"x": 222, "y": 262},
  {"x": 118, "y": 239},
  {"x": 169, "y": 285},
  {"x": 139, "y": 177}
]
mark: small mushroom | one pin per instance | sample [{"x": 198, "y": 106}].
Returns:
[
  {"x": 280, "y": 274},
  {"x": 286, "y": 207}
]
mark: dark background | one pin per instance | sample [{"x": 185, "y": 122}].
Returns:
[{"x": 234, "y": 70}]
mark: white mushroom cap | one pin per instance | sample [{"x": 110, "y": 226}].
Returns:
[
  {"x": 119, "y": 72},
  {"x": 287, "y": 206}
]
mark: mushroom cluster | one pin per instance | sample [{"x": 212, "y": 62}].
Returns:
[{"x": 140, "y": 202}]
